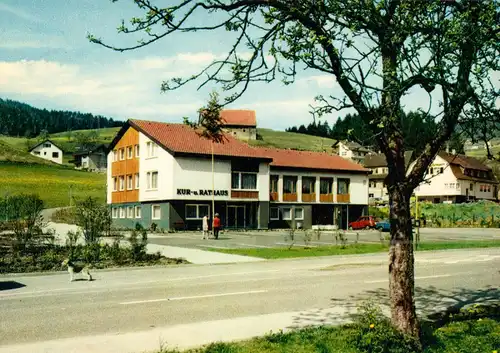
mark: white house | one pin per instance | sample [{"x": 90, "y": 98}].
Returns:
[
  {"x": 48, "y": 150},
  {"x": 353, "y": 151},
  {"x": 162, "y": 173},
  {"x": 377, "y": 163},
  {"x": 457, "y": 178}
]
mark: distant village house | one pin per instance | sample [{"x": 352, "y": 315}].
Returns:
[
  {"x": 91, "y": 159},
  {"x": 457, "y": 178},
  {"x": 48, "y": 150},
  {"x": 241, "y": 124},
  {"x": 352, "y": 150}
]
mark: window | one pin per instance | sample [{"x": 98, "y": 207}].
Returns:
[
  {"x": 122, "y": 183},
  {"x": 114, "y": 212},
  {"x": 129, "y": 152},
  {"x": 155, "y": 212},
  {"x": 273, "y": 184},
  {"x": 274, "y": 213},
  {"x": 37, "y": 153},
  {"x": 446, "y": 185},
  {"x": 287, "y": 213},
  {"x": 471, "y": 187},
  {"x": 481, "y": 188},
  {"x": 458, "y": 186},
  {"x": 152, "y": 180},
  {"x": 235, "y": 180},
  {"x": 370, "y": 195},
  {"x": 343, "y": 186},
  {"x": 289, "y": 184},
  {"x": 122, "y": 154},
  {"x": 55, "y": 154},
  {"x": 122, "y": 212},
  {"x": 130, "y": 182},
  {"x": 244, "y": 181},
  {"x": 130, "y": 212},
  {"x": 344, "y": 153},
  {"x": 115, "y": 184},
  {"x": 136, "y": 151},
  {"x": 115, "y": 155},
  {"x": 441, "y": 170},
  {"x": 197, "y": 211},
  {"x": 431, "y": 171},
  {"x": 308, "y": 185},
  {"x": 48, "y": 145},
  {"x": 137, "y": 180},
  {"x": 138, "y": 210},
  {"x": 151, "y": 146},
  {"x": 326, "y": 186},
  {"x": 299, "y": 213}
]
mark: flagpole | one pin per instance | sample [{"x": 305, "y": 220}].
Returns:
[{"x": 213, "y": 183}]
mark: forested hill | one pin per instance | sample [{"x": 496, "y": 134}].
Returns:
[
  {"x": 416, "y": 128},
  {"x": 20, "y": 119}
]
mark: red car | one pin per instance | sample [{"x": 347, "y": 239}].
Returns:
[{"x": 363, "y": 222}]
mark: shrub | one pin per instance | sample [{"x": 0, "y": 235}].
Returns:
[
  {"x": 138, "y": 247},
  {"x": 374, "y": 333},
  {"x": 22, "y": 215},
  {"x": 94, "y": 219},
  {"x": 153, "y": 227}
]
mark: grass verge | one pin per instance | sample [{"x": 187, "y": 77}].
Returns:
[
  {"x": 53, "y": 184},
  {"x": 470, "y": 333},
  {"x": 282, "y": 253}
]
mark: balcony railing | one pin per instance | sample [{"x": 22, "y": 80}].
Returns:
[
  {"x": 289, "y": 197},
  {"x": 326, "y": 198},
  {"x": 343, "y": 198},
  {"x": 235, "y": 194},
  {"x": 308, "y": 197}
]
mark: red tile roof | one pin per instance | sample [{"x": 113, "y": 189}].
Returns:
[
  {"x": 239, "y": 118},
  {"x": 464, "y": 161},
  {"x": 184, "y": 139},
  {"x": 180, "y": 138},
  {"x": 310, "y": 160}
]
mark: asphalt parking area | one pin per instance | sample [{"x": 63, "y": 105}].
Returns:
[{"x": 279, "y": 239}]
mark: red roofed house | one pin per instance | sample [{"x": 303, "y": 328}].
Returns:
[
  {"x": 162, "y": 173},
  {"x": 241, "y": 124},
  {"x": 456, "y": 178}
]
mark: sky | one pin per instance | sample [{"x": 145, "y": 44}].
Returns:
[{"x": 47, "y": 61}]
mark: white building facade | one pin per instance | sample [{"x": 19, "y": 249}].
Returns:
[
  {"x": 49, "y": 151},
  {"x": 162, "y": 173},
  {"x": 457, "y": 178}
]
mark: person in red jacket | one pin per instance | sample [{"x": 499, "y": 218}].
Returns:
[{"x": 216, "y": 226}]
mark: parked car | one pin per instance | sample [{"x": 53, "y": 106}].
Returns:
[
  {"x": 363, "y": 222},
  {"x": 384, "y": 226}
]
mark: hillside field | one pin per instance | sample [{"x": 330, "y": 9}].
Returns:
[{"x": 52, "y": 183}]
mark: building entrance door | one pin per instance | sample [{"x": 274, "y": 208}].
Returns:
[{"x": 236, "y": 216}]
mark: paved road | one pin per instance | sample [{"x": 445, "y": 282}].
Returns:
[
  {"x": 130, "y": 310},
  {"x": 271, "y": 239}
]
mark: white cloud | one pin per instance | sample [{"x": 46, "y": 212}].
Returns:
[
  {"x": 321, "y": 81},
  {"x": 131, "y": 88},
  {"x": 17, "y": 11}
]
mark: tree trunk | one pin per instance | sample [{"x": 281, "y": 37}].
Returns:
[{"x": 401, "y": 262}]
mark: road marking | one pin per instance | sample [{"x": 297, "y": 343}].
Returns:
[
  {"x": 193, "y": 297},
  {"x": 120, "y": 284},
  {"x": 421, "y": 277}
]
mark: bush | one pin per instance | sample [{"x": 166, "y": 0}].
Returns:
[
  {"x": 94, "y": 219},
  {"x": 374, "y": 333}
]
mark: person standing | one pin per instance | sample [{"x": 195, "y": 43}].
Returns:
[
  {"x": 205, "y": 227},
  {"x": 216, "y": 226}
]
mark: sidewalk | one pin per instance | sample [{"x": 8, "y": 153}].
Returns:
[
  {"x": 185, "y": 336},
  {"x": 195, "y": 256}
]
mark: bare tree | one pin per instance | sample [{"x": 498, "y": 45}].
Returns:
[{"x": 378, "y": 51}]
